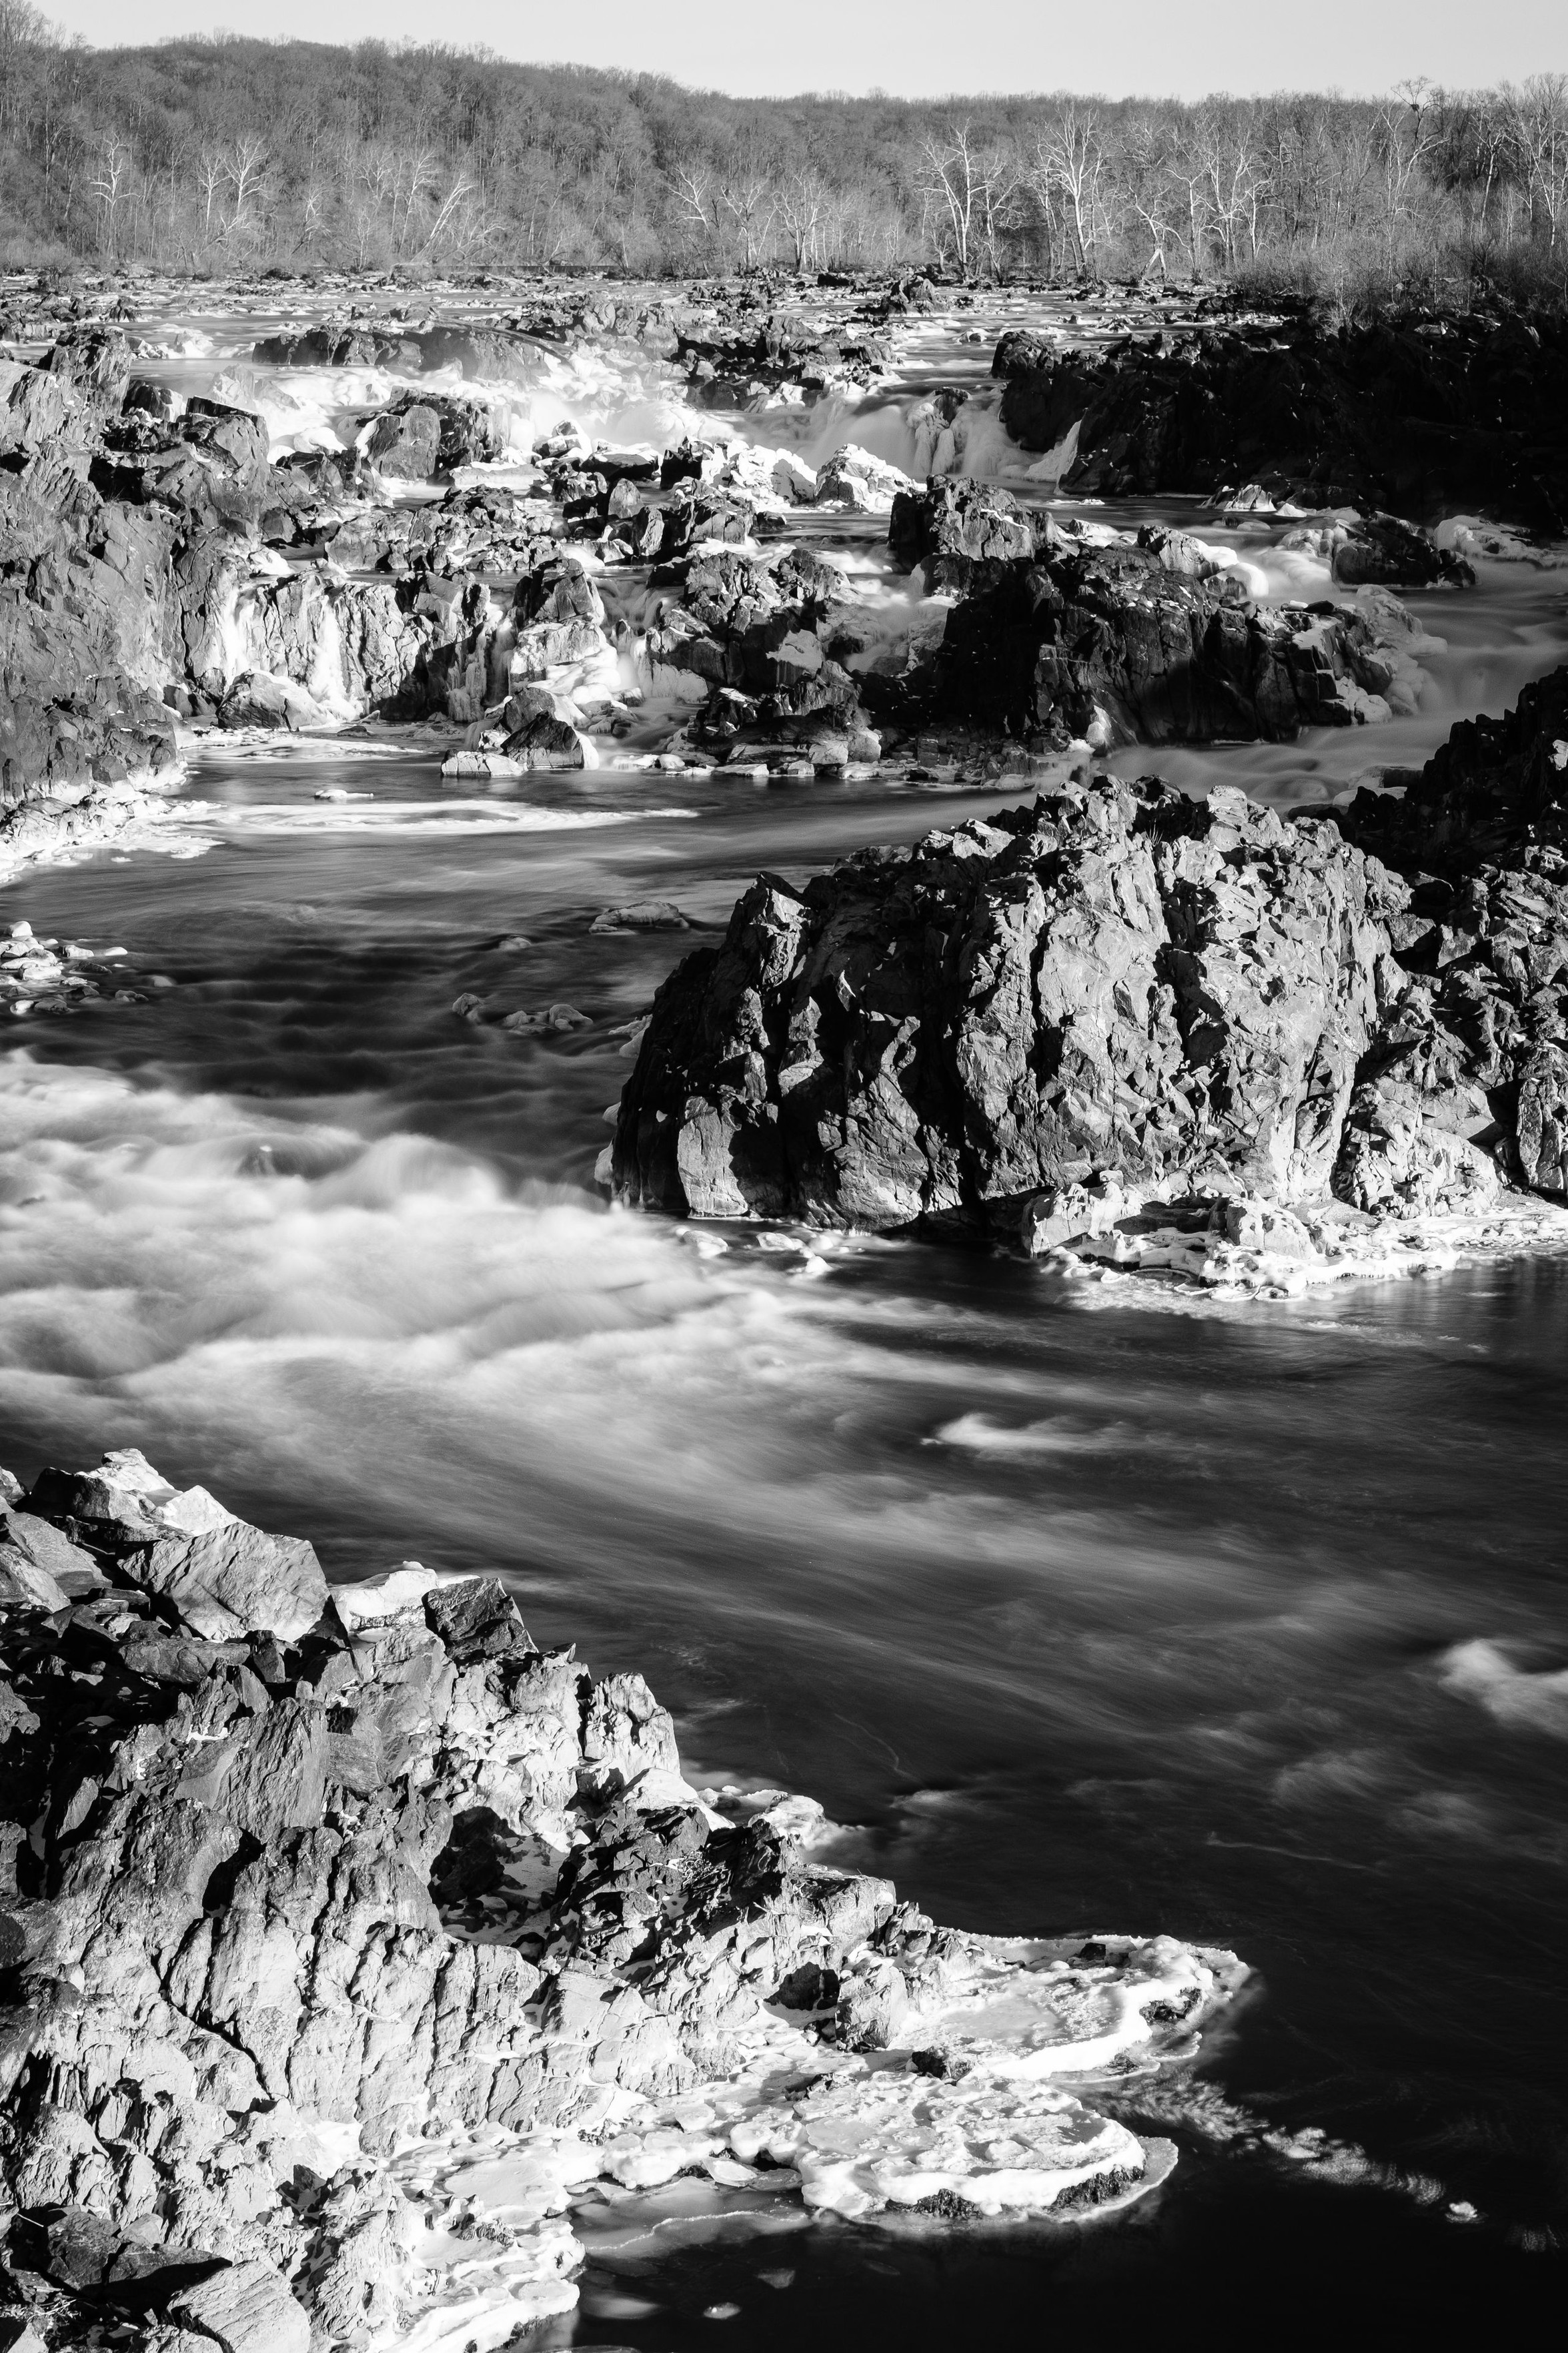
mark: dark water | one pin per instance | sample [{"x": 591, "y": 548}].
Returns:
[
  {"x": 1243, "y": 1622},
  {"x": 1085, "y": 1607}
]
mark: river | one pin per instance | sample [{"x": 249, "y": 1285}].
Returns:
[{"x": 1087, "y": 1605}]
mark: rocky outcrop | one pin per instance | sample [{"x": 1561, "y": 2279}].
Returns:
[
  {"x": 292, "y": 1880},
  {"x": 209, "y": 466},
  {"x": 425, "y": 437},
  {"x": 754, "y": 642},
  {"x": 1479, "y": 1049},
  {"x": 1114, "y": 644},
  {"x": 747, "y": 367},
  {"x": 1415, "y": 415},
  {"x": 1076, "y": 631},
  {"x": 1118, "y": 1004},
  {"x": 1111, "y": 979}
]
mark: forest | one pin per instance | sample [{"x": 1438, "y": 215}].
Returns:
[{"x": 227, "y": 155}]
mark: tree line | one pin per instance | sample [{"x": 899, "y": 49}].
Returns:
[{"x": 229, "y": 154}]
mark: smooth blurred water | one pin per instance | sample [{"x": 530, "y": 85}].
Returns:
[{"x": 1085, "y": 1608}]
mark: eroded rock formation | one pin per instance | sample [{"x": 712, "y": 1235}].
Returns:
[
  {"x": 1117, "y": 987},
  {"x": 292, "y": 1879}
]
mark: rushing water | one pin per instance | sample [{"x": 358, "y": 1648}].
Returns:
[{"x": 1086, "y": 1607}]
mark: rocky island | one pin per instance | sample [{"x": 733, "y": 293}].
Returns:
[{"x": 1117, "y": 1021}]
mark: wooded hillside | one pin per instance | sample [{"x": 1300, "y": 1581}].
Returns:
[{"x": 226, "y": 153}]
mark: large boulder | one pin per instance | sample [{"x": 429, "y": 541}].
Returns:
[
  {"x": 1114, "y": 978},
  {"x": 426, "y": 435},
  {"x": 232, "y": 1579},
  {"x": 969, "y": 520}
]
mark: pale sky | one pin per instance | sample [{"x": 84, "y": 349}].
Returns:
[{"x": 932, "y": 47}]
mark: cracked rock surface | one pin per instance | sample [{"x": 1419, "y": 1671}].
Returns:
[{"x": 351, "y": 1941}]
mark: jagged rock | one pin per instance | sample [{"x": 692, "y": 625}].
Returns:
[
  {"x": 1114, "y": 980},
  {"x": 95, "y": 361},
  {"x": 232, "y": 1580},
  {"x": 1544, "y": 1119},
  {"x": 544, "y": 742},
  {"x": 1381, "y": 550},
  {"x": 1481, "y": 834},
  {"x": 248, "y": 2309},
  {"x": 859, "y": 483},
  {"x": 209, "y": 465},
  {"x": 1407, "y": 1154},
  {"x": 404, "y": 442},
  {"x": 642, "y": 915},
  {"x": 424, "y": 435},
  {"x": 70, "y": 717},
  {"x": 1121, "y": 643},
  {"x": 745, "y": 368},
  {"x": 476, "y": 1618},
  {"x": 1380, "y": 416},
  {"x": 759, "y": 640},
  {"x": 973, "y": 519},
  {"x": 251, "y": 1946}
]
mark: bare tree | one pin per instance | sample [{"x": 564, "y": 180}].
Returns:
[
  {"x": 694, "y": 187},
  {"x": 746, "y": 192},
  {"x": 1537, "y": 124},
  {"x": 969, "y": 185},
  {"x": 1152, "y": 193},
  {"x": 1069, "y": 163},
  {"x": 110, "y": 185},
  {"x": 245, "y": 166},
  {"x": 802, "y": 202},
  {"x": 212, "y": 173}
]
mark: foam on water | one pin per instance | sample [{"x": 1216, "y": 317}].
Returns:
[{"x": 1522, "y": 1699}]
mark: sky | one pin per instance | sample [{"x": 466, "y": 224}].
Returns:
[{"x": 934, "y": 47}]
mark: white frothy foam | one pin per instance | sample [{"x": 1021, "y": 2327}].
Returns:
[{"x": 1516, "y": 1698}]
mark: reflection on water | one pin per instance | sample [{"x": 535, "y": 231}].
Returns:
[{"x": 1243, "y": 1622}]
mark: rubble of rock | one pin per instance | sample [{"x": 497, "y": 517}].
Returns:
[
  {"x": 1044, "y": 1022},
  {"x": 1413, "y": 416},
  {"x": 747, "y": 367},
  {"x": 50, "y": 976},
  {"x": 158, "y": 563},
  {"x": 298, "y": 1880}
]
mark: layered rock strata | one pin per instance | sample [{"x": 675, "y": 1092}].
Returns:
[
  {"x": 350, "y": 1939},
  {"x": 1119, "y": 1003}
]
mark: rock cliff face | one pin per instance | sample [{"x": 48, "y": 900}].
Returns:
[
  {"x": 1117, "y": 987},
  {"x": 295, "y": 1879},
  {"x": 1416, "y": 416}
]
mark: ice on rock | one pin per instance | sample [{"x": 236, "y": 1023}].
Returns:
[
  {"x": 875, "y": 2139},
  {"x": 1024, "y": 2009}
]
